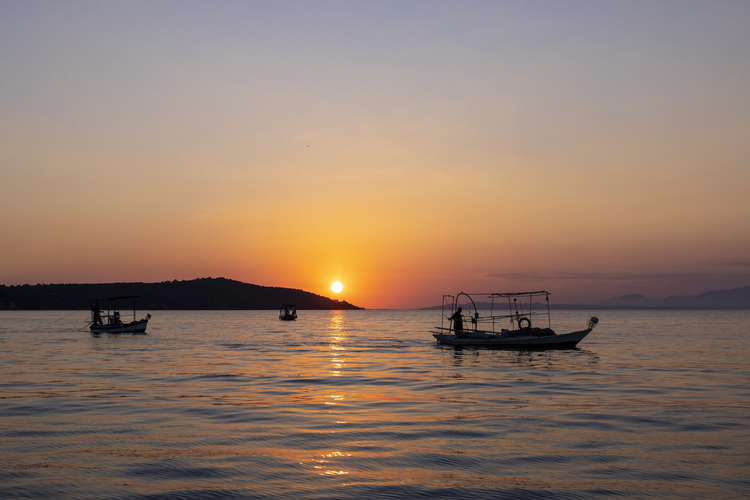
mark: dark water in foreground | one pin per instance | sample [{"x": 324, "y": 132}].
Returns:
[{"x": 363, "y": 404}]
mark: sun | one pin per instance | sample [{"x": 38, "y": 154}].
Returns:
[{"x": 337, "y": 286}]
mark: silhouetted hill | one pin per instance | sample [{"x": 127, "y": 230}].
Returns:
[{"x": 198, "y": 294}]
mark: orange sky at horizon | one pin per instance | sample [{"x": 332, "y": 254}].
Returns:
[{"x": 590, "y": 150}]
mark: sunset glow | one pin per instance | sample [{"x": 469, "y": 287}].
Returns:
[{"x": 590, "y": 149}]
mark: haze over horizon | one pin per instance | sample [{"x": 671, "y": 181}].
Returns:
[{"x": 406, "y": 150}]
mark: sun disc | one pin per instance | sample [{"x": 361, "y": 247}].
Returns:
[{"x": 337, "y": 287}]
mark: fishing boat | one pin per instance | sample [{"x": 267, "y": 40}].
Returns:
[
  {"x": 287, "y": 312},
  {"x": 112, "y": 322},
  {"x": 525, "y": 328}
]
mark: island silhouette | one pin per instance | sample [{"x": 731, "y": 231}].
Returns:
[{"x": 197, "y": 294}]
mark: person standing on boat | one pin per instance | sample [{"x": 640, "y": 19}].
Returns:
[
  {"x": 458, "y": 323},
  {"x": 97, "y": 314}
]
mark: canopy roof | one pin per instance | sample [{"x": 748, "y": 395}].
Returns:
[{"x": 118, "y": 298}]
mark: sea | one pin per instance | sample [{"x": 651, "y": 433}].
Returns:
[{"x": 365, "y": 404}]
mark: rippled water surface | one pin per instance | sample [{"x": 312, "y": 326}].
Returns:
[{"x": 364, "y": 404}]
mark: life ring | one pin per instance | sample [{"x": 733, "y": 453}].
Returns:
[{"x": 521, "y": 323}]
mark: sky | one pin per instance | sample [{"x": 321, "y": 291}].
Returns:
[{"x": 406, "y": 149}]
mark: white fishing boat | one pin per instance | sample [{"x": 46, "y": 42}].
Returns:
[
  {"x": 287, "y": 312},
  {"x": 111, "y": 322},
  {"x": 462, "y": 325}
]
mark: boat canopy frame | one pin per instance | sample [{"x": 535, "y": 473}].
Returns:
[
  {"x": 515, "y": 317},
  {"x": 113, "y": 309}
]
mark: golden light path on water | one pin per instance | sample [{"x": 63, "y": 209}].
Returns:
[{"x": 337, "y": 337}]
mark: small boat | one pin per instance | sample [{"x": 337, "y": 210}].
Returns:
[
  {"x": 112, "y": 322},
  {"x": 487, "y": 331},
  {"x": 287, "y": 312}
]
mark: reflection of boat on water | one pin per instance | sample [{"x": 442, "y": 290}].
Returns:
[
  {"x": 287, "y": 312},
  {"x": 579, "y": 359},
  {"x": 486, "y": 331},
  {"x": 112, "y": 322}
]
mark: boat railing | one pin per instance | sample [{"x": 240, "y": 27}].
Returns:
[{"x": 512, "y": 319}]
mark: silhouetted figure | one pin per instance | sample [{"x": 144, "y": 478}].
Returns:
[
  {"x": 97, "y": 314},
  {"x": 458, "y": 323}
]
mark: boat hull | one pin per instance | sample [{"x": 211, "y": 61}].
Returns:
[
  {"x": 481, "y": 339},
  {"x": 132, "y": 327}
]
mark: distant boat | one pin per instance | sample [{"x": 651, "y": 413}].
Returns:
[
  {"x": 287, "y": 312},
  {"x": 521, "y": 333},
  {"x": 112, "y": 322}
]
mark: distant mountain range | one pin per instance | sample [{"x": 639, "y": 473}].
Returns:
[
  {"x": 198, "y": 294},
  {"x": 736, "y": 298}
]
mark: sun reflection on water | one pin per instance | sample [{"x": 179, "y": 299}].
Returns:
[
  {"x": 324, "y": 469},
  {"x": 336, "y": 337}
]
